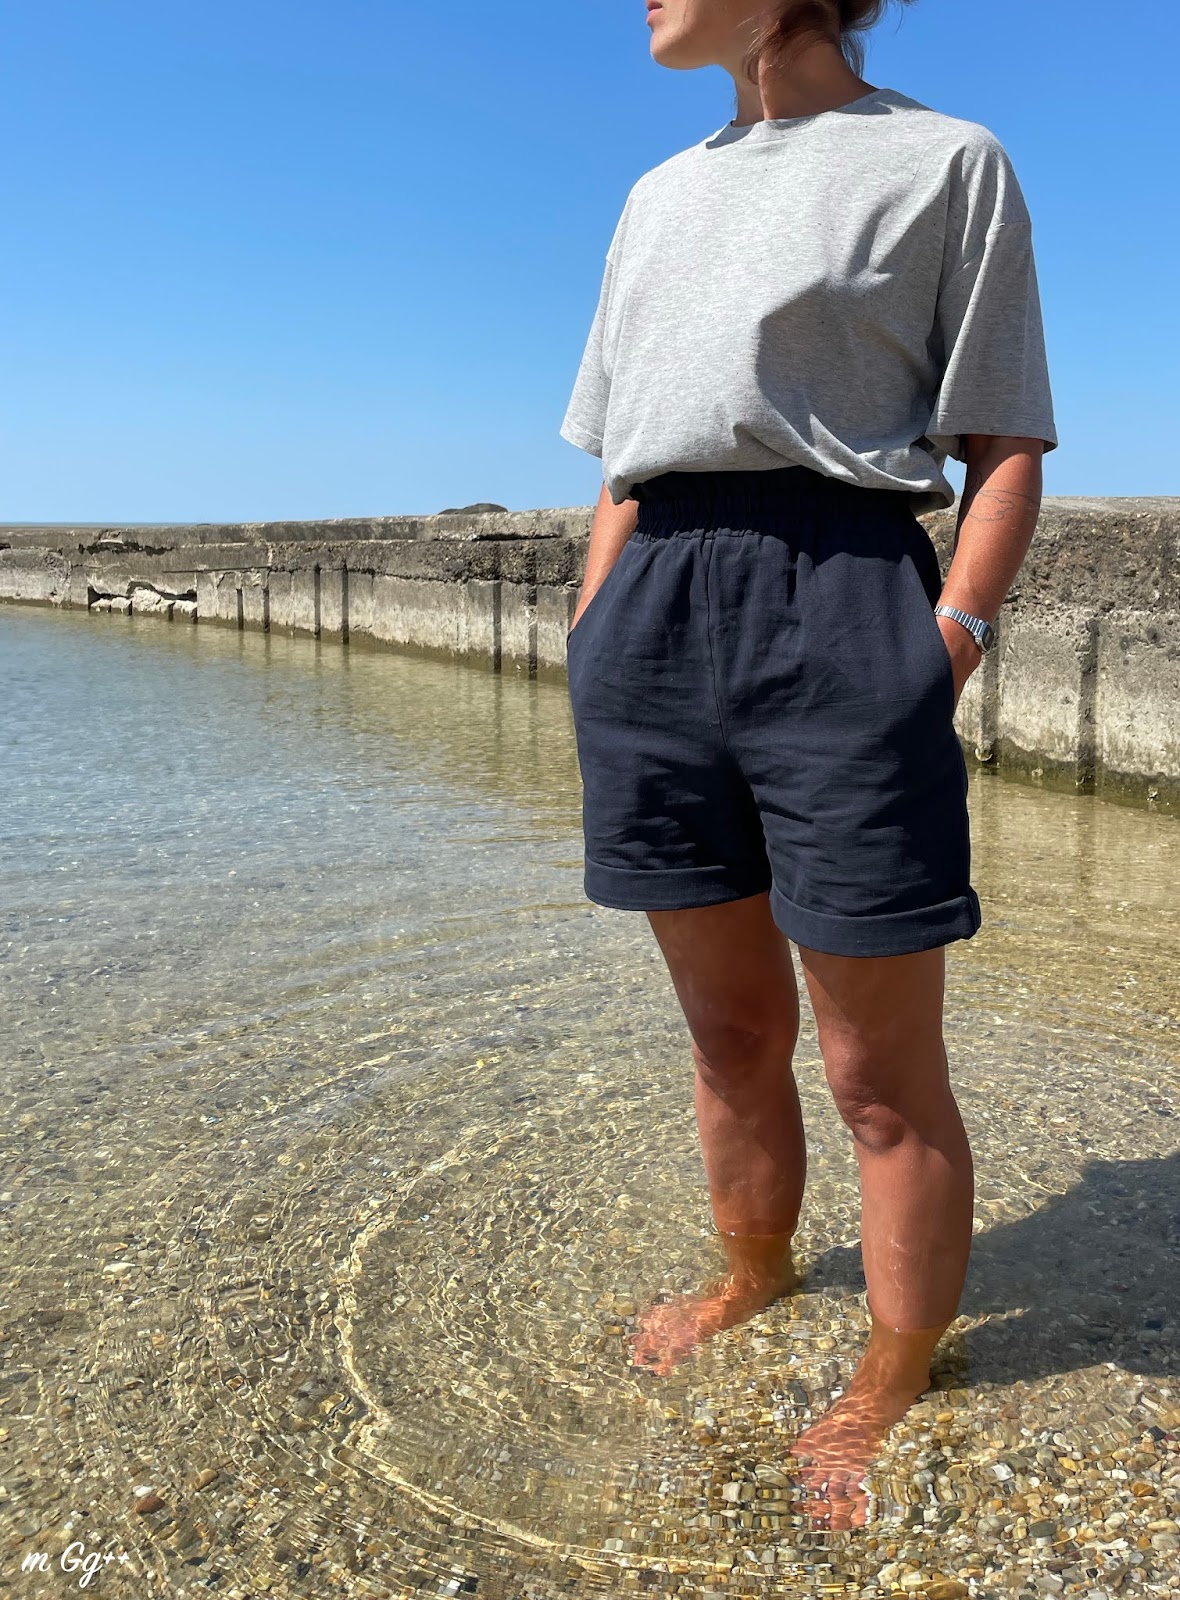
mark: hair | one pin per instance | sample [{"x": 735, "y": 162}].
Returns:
[{"x": 843, "y": 22}]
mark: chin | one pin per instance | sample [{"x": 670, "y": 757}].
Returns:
[{"x": 678, "y": 53}]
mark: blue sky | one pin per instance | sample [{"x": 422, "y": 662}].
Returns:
[{"x": 277, "y": 258}]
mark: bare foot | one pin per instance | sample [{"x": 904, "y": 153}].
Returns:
[
  {"x": 761, "y": 1269},
  {"x": 836, "y": 1452}
]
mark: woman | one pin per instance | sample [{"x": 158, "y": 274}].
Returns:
[{"x": 801, "y": 316}]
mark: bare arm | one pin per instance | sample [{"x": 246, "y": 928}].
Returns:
[
  {"x": 610, "y": 529},
  {"x": 997, "y": 519}
]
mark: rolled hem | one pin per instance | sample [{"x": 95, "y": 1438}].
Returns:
[
  {"x": 672, "y": 889},
  {"x": 893, "y": 933}
]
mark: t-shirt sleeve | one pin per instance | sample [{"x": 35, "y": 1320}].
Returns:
[
  {"x": 988, "y": 336},
  {"x": 585, "y": 416}
]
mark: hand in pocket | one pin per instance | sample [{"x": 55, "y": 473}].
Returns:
[{"x": 965, "y": 654}]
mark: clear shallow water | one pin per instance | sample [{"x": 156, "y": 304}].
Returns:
[{"x": 343, "y": 1138}]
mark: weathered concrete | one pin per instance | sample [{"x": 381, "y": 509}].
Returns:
[{"x": 1082, "y": 691}]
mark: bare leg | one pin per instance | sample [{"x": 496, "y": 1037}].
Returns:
[
  {"x": 731, "y": 968},
  {"x": 880, "y": 1030}
]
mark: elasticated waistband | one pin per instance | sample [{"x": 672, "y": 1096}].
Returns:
[{"x": 676, "y": 502}]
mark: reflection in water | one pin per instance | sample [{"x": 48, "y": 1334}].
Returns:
[{"x": 346, "y": 1141}]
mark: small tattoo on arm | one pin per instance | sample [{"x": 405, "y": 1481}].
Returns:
[{"x": 988, "y": 502}]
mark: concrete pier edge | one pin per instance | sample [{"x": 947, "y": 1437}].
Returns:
[{"x": 1082, "y": 692}]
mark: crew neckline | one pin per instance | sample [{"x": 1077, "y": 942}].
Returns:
[{"x": 768, "y": 128}]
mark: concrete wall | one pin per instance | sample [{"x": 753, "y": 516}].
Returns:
[{"x": 1082, "y": 691}]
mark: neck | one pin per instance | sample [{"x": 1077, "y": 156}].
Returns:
[{"x": 814, "y": 77}]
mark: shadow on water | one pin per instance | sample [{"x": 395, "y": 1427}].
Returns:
[
  {"x": 344, "y": 1142},
  {"x": 1094, "y": 1274},
  {"x": 1090, "y": 1276}
]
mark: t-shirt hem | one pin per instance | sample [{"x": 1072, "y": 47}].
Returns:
[{"x": 947, "y": 431}]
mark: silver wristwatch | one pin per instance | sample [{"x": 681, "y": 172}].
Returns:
[{"x": 983, "y": 632}]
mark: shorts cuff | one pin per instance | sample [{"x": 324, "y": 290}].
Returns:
[
  {"x": 894, "y": 933},
  {"x": 673, "y": 889}
]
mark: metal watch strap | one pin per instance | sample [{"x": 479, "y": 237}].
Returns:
[{"x": 983, "y": 632}]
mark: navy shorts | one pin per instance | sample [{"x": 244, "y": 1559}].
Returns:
[{"x": 763, "y": 701}]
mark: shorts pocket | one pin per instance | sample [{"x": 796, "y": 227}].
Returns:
[
  {"x": 592, "y": 606},
  {"x": 944, "y": 655},
  {"x": 928, "y": 584}
]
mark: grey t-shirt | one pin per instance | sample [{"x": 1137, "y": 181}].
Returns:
[{"x": 853, "y": 290}]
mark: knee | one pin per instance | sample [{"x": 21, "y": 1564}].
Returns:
[
  {"x": 883, "y": 1105},
  {"x": 873, "y": 1122},
  {"x": 736, "y": 1048}
]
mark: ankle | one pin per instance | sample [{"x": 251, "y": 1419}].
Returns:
[
  {"x": 759, "y": 1258},
  {"x": 899, "y": 1358}
]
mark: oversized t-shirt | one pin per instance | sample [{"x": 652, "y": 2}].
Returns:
[{"x": 852, "y": 290}]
